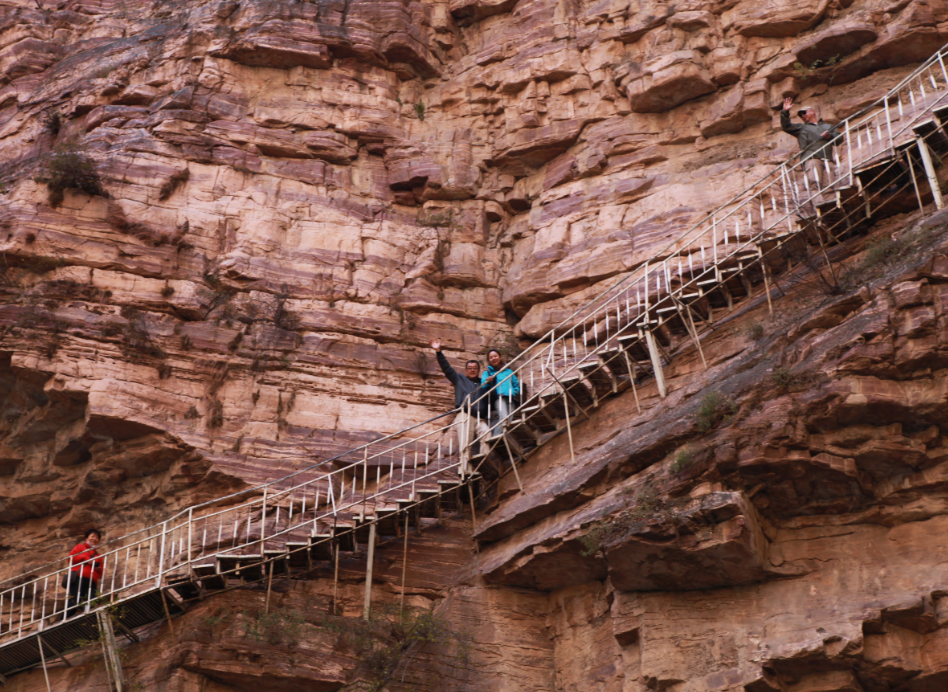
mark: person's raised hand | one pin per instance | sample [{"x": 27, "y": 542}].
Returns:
[
  {"x": 827, "y": 135},
  {"x": 436, "y": 344},
  {"x": 788, "y": 103}
]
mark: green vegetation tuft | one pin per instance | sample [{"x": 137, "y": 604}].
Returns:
[
  {"x": 715, "y": 408},
  {"x": 645, "y": 505},
  {"x": 69, "y": 166},
  {"x": 754, "y": 331},
  {"x": 282, "y": 626},
  {"x": 684, "y": 459},
  {"x": 785, "y": 379},
  {"x": 389, "y": 639}
]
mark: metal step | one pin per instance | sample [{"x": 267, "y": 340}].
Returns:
[
  {"x": 297, "y": 554},
  {"x": 578, "y": 391},
  {"x": 931, "y": 131},
  {"x": 277, "y": 562},
  {"x": 243, "y": 566},
  {"x": 344, "y": 539},
  {"x": 429, "y": 503}
]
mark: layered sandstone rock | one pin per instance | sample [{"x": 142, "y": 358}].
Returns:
[{"x": 302, "y": 195}]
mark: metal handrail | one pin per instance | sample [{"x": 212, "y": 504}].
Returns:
[{"x": 147, "y": 557}]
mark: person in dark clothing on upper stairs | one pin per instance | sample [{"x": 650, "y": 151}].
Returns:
[
  {"x": 471, "y": 421},
  {"x": 816, "y": 139}
]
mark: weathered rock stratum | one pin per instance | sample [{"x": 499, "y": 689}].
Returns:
[{"x": 294, "y": 198}]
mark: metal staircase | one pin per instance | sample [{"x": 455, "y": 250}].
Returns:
[{"x": 885, "y": 163}]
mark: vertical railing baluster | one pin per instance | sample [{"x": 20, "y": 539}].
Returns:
[
  {"x": 190, "y": 538},
  {"x": 263, "y": 521},
  {"x": 161, "y": 555},
  {"x": 43, "y": 602}
]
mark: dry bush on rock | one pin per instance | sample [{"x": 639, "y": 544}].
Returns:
[{"x": 69, "y": 166}]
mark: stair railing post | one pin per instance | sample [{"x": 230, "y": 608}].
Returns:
[
  {"x": 888, "y": 124},
  {"x": 68, "y": 591},
  {"x": 263, "y": 521},
  {"x": 930, "y": 171},
  {"x": 42, "y": 620},
  {"x": 365, "y": 477},
  {"x": 190, "y": 522},
  {"x": 161, "y": 555},
  {"x": 849, "y": 152}
]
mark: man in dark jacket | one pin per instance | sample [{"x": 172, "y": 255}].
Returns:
[
  {"x": 816, "y": 140},
  {"x": 471, "y": 421}
]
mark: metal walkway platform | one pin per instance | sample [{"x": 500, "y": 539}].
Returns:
[{"x": 615, "y": 343}]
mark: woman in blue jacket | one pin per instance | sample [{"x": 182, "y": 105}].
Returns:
[{"x": 508, "y": 388}]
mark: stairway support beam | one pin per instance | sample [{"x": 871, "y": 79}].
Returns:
[
  {"x": 765, "y": 270},
  {"x": 656, "y": 363},
  {"x": 125, "y": 630},
  {"x": 39, "y": 641},
  {"x": 470, "y": 493},
  {"x": 689, "y": 323},
  {"x": 59, "y": 654},
  {"x": 266, "y": 607},
  {"x": 930, "y": 171},
  {"x": 366, "y": 611},
  {"x": 401, "y": 605},
  {"x": 335, "y": 576},
  {"x": 569, "y": 429},
  {"x": 918, "y": 193},
  {"x": 631, "y": 366},
  {"x": 113, "y": 664},
  {"x": 513, "y": 463}
]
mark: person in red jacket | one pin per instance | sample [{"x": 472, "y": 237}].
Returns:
[{"x": 85, "y": 571}]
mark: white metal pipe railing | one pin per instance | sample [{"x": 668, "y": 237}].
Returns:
[{"x": 146, "y": 558}]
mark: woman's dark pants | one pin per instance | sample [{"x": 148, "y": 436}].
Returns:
[{"x": 81, "y": 589}]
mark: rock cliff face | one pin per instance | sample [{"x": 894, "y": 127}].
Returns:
[{"x": 295, "y": 197}]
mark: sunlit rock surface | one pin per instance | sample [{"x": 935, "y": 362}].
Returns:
[{"x": 301, "y": 195}]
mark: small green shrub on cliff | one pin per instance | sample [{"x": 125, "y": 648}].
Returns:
[
  {"x": 436, "y": 219},
  {"x": 785, "y": 379},
  {"x": 754, "y": 331},
  {"x": 282, "y": 626},
  {"x": 714, "y": 409},
  {"x": 880, "y": 253},
  {"x": 592, "y": 540},
  {"x": 53, "y": 122},
  {"x": 420, "y": 110},
  {"x": 69, "y": 166},
  {"x": 385, "y": 643},
  {"x": 645, "y": 505},
  {"x": 683, "y": 460}
]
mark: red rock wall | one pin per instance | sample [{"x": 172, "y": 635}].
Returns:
[{"x": 366, "y": 176}]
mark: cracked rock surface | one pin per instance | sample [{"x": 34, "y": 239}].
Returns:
[{"x": 299, "y": 196}]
